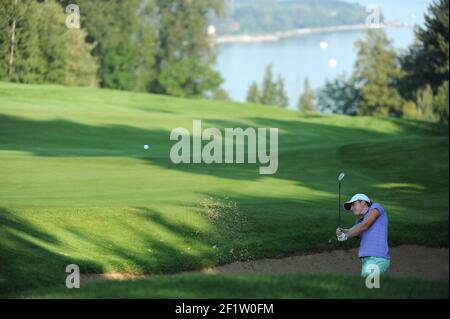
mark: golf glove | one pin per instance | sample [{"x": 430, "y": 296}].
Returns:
[{"x": 342, "y": 237}]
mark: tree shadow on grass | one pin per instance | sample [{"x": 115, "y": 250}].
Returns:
[
  {"x": 26, "y": 262},
  {"x": 302, "y": 145},
  {"x": 149, "y": 252},
  {"x": 310, "y": 154},
  {"x": 62, "y": 138},
  {"x": 154, "y": 110},
  {"x": 30, "y": 258}
]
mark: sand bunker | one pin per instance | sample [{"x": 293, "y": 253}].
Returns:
[
  {"x": 406, "y": 261},
  {"x": 413, "y": 261}
]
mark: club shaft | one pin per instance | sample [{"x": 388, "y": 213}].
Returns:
[{"x": 339, "y": 209}]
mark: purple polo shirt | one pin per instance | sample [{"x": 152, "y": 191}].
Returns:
[{"x": 374, "y": 241}]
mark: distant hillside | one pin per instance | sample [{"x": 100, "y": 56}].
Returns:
[{"x": 256, "y": 16}]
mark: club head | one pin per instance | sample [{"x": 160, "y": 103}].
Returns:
[{"x": 341, "y": 176}]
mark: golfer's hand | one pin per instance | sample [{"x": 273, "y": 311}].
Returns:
[
  {"x": 339, "y": 232},
  {"x": 342, "y": 237}
]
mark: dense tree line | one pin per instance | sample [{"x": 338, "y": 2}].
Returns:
[
  {"x": 36, "y": 47},
  {"x": 162, "y": 46},
  {"x": 146, "y": 45}
]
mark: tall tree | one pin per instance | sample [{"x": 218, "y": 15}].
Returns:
[
  {"x": 51, "y": 29},
  {"x": 113, "y": 27},
  {"x": 269, "y": 87},
  {"x": 253, "y": 94},
  {"x": 306, "y": 101},
  {"x": 13, "y": 38},
  {"x": 427, "y": 61},
  {"x": 20, "y": 59},
  {"x": 67, "y": 57},
  {"x": 42, "y": 49},
  {"x": 272, "y": 92},
  {"x": 146, "y": 39},
  {"x": 281, "y": 99},
  {"x": 6, "y": 33},
  {"x": 185, "y": 57},
  {"x": 377, "y": 71}
]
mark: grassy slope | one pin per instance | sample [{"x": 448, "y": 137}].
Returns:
[{"x": 77, "y": 186}]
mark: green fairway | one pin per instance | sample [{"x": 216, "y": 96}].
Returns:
[{"x": 78, "y": 187}]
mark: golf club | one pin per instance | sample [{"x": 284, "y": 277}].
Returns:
[{"x": 340, "y": 178}]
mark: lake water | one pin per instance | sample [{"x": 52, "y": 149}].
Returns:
[{"x": 296, "y": 58}]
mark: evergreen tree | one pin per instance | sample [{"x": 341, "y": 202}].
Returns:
[
  {"x": 427, "y": 61},
  {"x": 282, "y": 99},
  {"x": 253, "y": 95},
  {"x": 20, "y": 59},
  {"x": 113, "y": 28},
  {"x": 376, "y": 73},
  {"x": 185, "y": 57},
  {"x": 51, "y": 30},
  {"x": 6, "y": 25},
  {"x": 67, "y": 58},
  {"x": 269, "y": 88},
  {"x": 272, "y": 92},
  {"x": 306, "y": 101},
  {"x": 43, "y": 50},
  {"x": 146, "y": 46}
]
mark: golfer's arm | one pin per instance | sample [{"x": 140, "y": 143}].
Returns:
[{"x": 365, "y": 225}]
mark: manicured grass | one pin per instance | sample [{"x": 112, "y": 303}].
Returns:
[
  {"x": 251, "y": 286},
  {"x": 77, "y": 186}
]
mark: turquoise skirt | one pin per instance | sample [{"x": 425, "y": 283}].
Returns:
[{"x": 371, "y": 264}]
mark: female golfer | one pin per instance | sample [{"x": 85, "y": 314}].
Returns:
[{"x": 372, "y": 228}]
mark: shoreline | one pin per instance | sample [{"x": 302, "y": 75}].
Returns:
[{"x": 276, "y": 36}]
